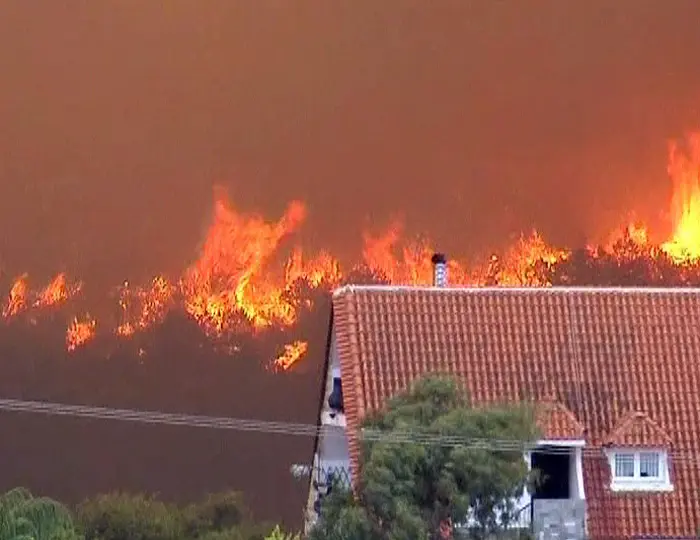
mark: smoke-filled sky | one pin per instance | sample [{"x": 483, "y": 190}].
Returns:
[{"x": 473, "y": 119}]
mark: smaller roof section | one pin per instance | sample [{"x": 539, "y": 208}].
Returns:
[
  {"x": 557, "y": 422},
  {"x": 638, "y": 429}
]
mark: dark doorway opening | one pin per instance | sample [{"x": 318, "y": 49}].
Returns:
[{"x": 553, "y": 465}]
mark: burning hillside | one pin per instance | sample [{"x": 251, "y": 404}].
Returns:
[{"x": 236, "y": 285}]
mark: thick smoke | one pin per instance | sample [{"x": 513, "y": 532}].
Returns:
[{"x": 476, "y": 121}]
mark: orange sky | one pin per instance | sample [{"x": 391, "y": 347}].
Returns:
[{"x": 475, "y": 120}]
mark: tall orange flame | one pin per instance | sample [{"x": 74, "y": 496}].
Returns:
[
  {"x": 227, "y": 280},
  {"x": 684, "y": 171}
]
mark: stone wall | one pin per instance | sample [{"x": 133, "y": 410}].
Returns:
[{"x": 563, "y": 519}]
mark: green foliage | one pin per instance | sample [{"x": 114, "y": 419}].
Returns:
[
  {"x": 216, "y": 513},
  {"x": 25, "y": 517},
  {"x": 222, "y": 516},
  {"x": 408, "y": 490},
  {"x": 120, "y": 516},
  {"x": 344, "y": 518},
  {"x": 278, "y": 534},
  {"x": 117, "y": 516}
]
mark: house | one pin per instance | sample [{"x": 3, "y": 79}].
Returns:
[{"x": 613, "y": 372}]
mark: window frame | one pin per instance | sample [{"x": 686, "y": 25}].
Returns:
[
  {"x": 659, "y": 474},
  {"x": 618, "y": 461},
  {"x": 662, "y": 482}
]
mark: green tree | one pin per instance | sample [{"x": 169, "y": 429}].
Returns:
[
  {"x": 410, "y": 490},
  {"x": 25, "y": 517}
]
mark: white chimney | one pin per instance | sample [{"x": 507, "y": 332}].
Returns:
[{"x": 439, "y": 261}]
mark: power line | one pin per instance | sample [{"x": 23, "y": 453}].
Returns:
[
  {"x": 154, "y": 417},
  {"x": 295, "y": 429}
]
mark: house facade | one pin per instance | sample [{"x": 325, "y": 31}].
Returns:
[{"x": 614, "y": 375}]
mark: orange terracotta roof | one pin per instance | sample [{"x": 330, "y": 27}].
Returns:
[
  {"x": 637, "y": 429},
  {"x": 600, "y": 353},
  {"x": 556, "y": 422}
]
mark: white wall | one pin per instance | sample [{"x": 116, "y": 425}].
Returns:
[
  {"x": 333, "y": 371},
  {"x": 334, "y": 443},
  {"x": 576, "y": 474},
  {"x": 333, "y": 450},
  {"x": 333, "y": 361}
]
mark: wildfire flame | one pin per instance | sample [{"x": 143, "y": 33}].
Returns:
[
  {"x": 231, "y": 286},
  {"x": 684, "y": 171},
  {"x": 292, "y": 353},
  {"x": 227, "y": 281},
  {"x": 80, "y": 332},
  {"x": 17, "y": 300},
  {"x": 56, "y": 292},
  {"x": 142, "y": 307}
]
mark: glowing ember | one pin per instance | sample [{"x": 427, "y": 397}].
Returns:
[
  {"x": 292, "y": 354},
  {"x": 80, "y": 332}
]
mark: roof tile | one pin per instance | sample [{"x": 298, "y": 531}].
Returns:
[
  {"x": 556, "y": 422},
  {"x": 637, "y": 429},
  {"x": 596, "y": 353}
]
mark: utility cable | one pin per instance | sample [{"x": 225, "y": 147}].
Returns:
[{"x": 295, "y": 429}]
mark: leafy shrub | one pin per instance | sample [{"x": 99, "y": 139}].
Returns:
[{"x": 23, "y": 516}]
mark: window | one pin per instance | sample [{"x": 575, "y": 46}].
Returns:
[
  {"x": 639, "y": 470},
  {"x": 649, "y": 465},
  {"x": 624, "y": 465}
]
